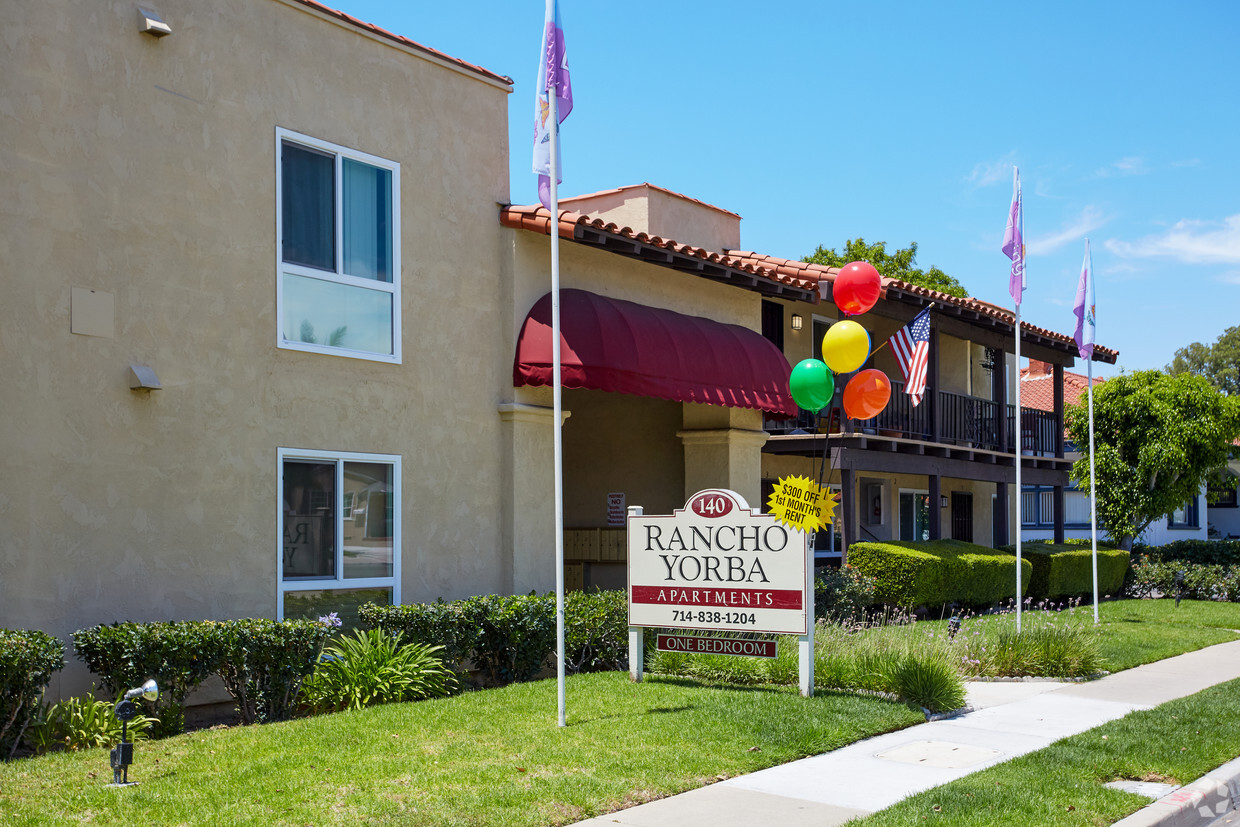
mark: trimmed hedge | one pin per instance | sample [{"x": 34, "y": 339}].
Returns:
[
  {"x": 1066, "y": 570},
  {"x": 509, "y": 639},
  {"x": 935, "y": 573},
  {"x": 178, "y": 654},
  {"x": 1206, "y": 552},
  {"x": 27, "y": 661},
  {"x": 262, "y": 662}
]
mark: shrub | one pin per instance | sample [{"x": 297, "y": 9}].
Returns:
[
  {"x": 434, "y": 624},
  {"x": 1208, "y": 552},
  {"x": 1046, "y": 649},
  {"x": 842, "y": 594},
  {"x": 179, "y": 655},
  {"x": 263, "y": 663},
  {"x": 27, "y": 661},
  {"x": 82, "y": 722},
  {"x": 515, "y": 635},
  {"x": 937, "y": 573},
  {"x": 930, "y": 680},
  {"x": 372, "y": 667},
  {"x": 596, "y": 631},
  {"x": 1150, "y": 577},
  {"x": 1066, "y": 570}
]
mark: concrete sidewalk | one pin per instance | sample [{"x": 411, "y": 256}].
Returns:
[{"x": 1008, "y": 719}]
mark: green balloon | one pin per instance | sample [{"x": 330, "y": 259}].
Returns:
[{"x": 812, "y": 384}]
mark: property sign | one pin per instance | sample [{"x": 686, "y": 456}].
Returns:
[
  {"x": 717, "y": 564},
  {"x": 716, "y": 645}
]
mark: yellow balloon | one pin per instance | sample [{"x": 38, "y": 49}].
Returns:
[{"x": 845, "y": 347}]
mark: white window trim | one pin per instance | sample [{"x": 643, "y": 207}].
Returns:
[
  {"x": 338, "y": 277},
  {"x": 339, "y": 581}
]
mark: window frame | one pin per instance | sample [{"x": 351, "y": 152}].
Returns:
[
  {"x": 915, "y": 492},
  {"x": 339, "y": 155},
  {"x": 1192, "y": 516},
  {"x": 338, "y": 581}
]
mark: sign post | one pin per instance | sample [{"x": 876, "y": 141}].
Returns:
[{"x": 718, "y": 565}]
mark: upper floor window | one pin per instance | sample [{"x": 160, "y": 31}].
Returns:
[{"x": 338, "y": 219}]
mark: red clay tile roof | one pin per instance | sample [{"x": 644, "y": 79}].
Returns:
[
  {"x": 817, "y": 272},
  {"x": 538, "y": 219},
  {"x": 1037, "y": 386},
  {"x": 404, "y": 41},
  {"x": 653, "y": 187}
]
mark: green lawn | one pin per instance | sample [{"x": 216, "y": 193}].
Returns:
[
  {"x": 1177, "y": 742},
  {"x": 483, "y": 758},
  {"x": 497, "y": 758}
]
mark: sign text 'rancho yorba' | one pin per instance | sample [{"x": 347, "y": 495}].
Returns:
[{"x": 717, "y": 564}]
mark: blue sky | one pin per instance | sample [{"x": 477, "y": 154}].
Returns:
[{"x": 823, "y": 121}]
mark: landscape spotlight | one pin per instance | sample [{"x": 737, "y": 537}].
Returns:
[{"x": 122, "y": 753}]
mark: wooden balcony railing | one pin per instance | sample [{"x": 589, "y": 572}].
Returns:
[{"x": 963, "y": 420}]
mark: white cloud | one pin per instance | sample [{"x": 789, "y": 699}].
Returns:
[
  {"x": 987, "y": 173},
  {"x": 1230, "y": 277},
  {"x": 1191, "y": 241},
  {"x": 1191, "y": 162},
  {"x": 1130, "y": 165},
  {"x": 1090, "y": 219}
]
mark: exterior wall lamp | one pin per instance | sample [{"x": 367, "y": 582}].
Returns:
[
  {"x": 942, "y": 501},
  {"x": 797, "y": 321}
]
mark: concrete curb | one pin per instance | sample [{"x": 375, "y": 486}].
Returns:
[{"x": 1194, "y": 804}]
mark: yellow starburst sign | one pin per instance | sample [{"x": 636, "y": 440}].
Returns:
[{"x": 801, "y": 503}]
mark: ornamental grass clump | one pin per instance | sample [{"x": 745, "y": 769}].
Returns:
[
  {"x": 371, "y": 668},
  {"x": 82, "y": 722}
]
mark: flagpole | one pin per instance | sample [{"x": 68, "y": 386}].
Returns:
[
  {"x": 1019, "y": 440},
  {"x": 1093, "y": 485},
  {"x": 557, "y": 406}
]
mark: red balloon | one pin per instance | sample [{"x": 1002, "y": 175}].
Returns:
[
  {"x": 866, "y": 394},
  {"x": 856, "y": 288}
]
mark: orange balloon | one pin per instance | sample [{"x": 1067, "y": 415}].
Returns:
[{"x": 866, "y": 394}]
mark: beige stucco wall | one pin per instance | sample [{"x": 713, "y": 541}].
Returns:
[
  {"x": 648, "y": 210},
  {"x": 145, "y": 169}
]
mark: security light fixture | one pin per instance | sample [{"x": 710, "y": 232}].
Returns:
[
  {"x": 149, "y": 22},
  {"x": 797, "y": 321},
  {"x": 122, "y": 753},
  {"x": 942, "y": 501}
]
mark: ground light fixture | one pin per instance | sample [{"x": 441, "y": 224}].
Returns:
[{"x": 122, "y": 753}]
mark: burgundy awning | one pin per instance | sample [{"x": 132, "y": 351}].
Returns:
[{"x": 624, "y": 347}]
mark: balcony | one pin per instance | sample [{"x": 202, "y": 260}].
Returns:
[{"x": 963, "y": 420}]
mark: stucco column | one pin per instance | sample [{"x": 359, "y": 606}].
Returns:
[
  {"x": 724, "y": 457},
  {"x": 528, "y": 510}
]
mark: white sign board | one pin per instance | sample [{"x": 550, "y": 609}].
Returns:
[{"x": 718, "y": 564}]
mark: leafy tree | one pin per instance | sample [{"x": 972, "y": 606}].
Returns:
[
  {"x": 1157, "y": 438},
  {"x": 1219, "y": 362},
  {"x": 897, "y": 265}
]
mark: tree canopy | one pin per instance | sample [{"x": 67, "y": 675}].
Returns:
[
  {"x": 1219, "y": 362},
  {"x": 1157, "y": 437},
  {"x": 897, "y": 265}
]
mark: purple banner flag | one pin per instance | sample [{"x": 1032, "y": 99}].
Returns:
[
  {"x": 1014, "y": 241},
  {"x": 1086, "y": 322},
  {"x": 552, "y": 75}
]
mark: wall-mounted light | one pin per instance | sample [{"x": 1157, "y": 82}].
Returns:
[
  {"x": 149, "y": 22},
  {"x": 942, "y": 501},
  {"x": 797, "y": 321}
]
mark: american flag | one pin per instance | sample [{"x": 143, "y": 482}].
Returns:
[{"x": 911, "y": 345}]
